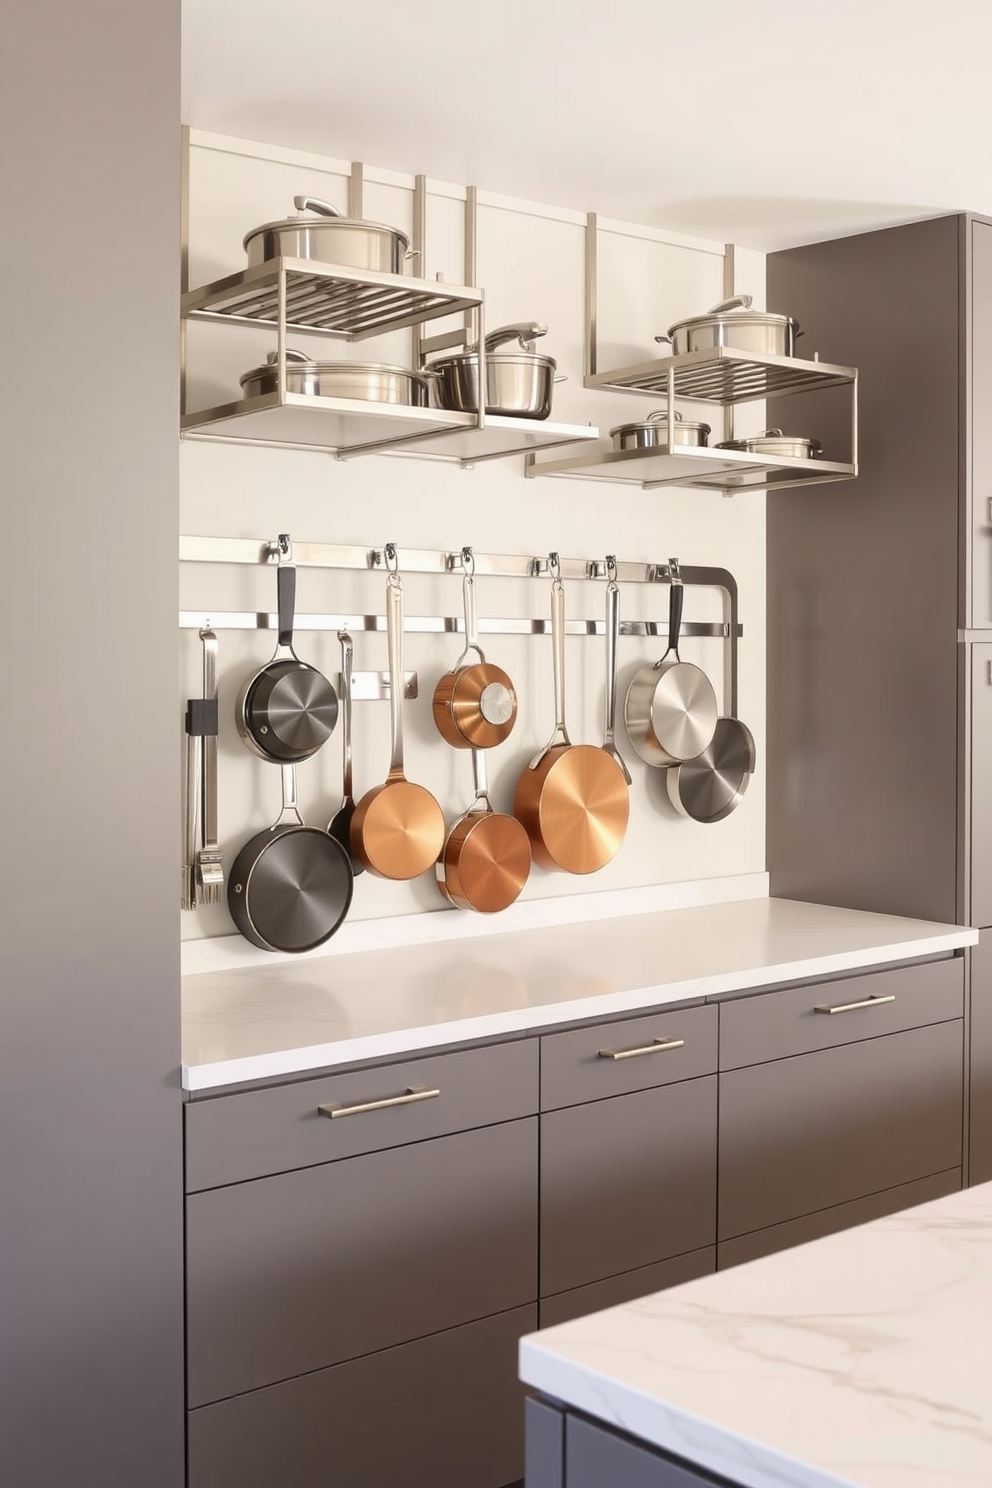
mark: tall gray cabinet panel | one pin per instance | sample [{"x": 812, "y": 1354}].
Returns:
[
  {"x": 863, "y": 602},
  {"x": 980, "y": 1152},
  {"x": 91, "y": 1349},
  {"x": 981, "y": 784},
  {"x": 978, "y": 371}
]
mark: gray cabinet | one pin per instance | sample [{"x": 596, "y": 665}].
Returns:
[
  {"x": 980, "y": 782},
  {"x": 978, "y": 393},
  {"x": 980, "y": 1091},
  {"x": 583, "y": 1454}
]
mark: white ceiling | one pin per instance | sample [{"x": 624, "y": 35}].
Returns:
[{"x": 762, "y": 122}]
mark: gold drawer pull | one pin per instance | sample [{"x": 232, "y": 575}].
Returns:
[
  {"x": 413, "y": 1093},
  {"x": 848, "y": 1007},
  {"x": 656, "y": 1046}
]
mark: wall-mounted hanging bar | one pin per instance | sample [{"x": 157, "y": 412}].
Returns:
[{"x": 440, "y": 625}]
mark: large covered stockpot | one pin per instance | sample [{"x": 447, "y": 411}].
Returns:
[
  {"x": 733, "y": 323},
  {"x": 329, "y": 237},
  {"x": 652, "y": 433}
]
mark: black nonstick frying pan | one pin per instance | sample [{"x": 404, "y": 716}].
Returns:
[
  {"x": 290, "y": 886},
  {"x": 287, "y": 709}
]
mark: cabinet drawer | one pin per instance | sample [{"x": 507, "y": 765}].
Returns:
[
  {"x": 774, "y": 1025},
  {"x": 235, "y": 1137},
  {"x": 446, "y": 1411},
  {"x": 305, "y": 1269},
  {"x": 840, "y": 1217},
  {"x": 619, "y": 1289},
  {"x": 806, "y": 1133},
  {"x": 627, "y": 1182},
  {"x": 656, "y": 1050}
]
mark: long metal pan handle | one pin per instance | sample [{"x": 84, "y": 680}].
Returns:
[
  {"x": 481, "y": 778},
  {"x": 210, "y": 860},
  {"x": 190, "y": 824},
  {"x": 347, "y": 657},
  {"x": 612, "y": 648},
  {"x": 314, "y": 204},
  {"x": 394, "y": 631},
  {"x": 290, "y": 810},
  {"x": 471, "y": 621},
  {"x": 285, "y": 596},
  {"x": 558, "y": 648}
]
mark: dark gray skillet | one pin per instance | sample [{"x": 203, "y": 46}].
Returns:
[
  {"x": 290, "y": 886},
  {"x": 340, "y": 824},
  {"x": 287, "y": 709}
]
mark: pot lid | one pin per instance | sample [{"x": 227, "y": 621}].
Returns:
[
  {"x": 737, "y": 308},
  {"x": 297, "y": 361},
  {"x": 325, "y": 213},
  {"x": 769, "y": 437},
  {"x": 660, "y": 416}
]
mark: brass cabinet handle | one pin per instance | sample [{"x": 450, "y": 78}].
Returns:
[
  {"x": 848, "y": 1007},
  {"x": 413, "y": 1093},
  {"x": 656, "y": 1046}
]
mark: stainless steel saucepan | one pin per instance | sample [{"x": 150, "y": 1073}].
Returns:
[
  {"x": 733, "y": 323},
  {"x": 774, "y": 442},
  {"x": 519, "y": 383},
  {"x": 329, "y": 237},
  {"x": 670, "y": 709},
  {"x": 653, "y": 432},
  {"x": 372, "y": 382}
]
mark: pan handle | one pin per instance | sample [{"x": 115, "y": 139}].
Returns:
[
  {"x": 290, "y": 810},
  {"x": 285, "y": 596},
  {"x": 471, "y": 614},
  {"x": 347, "y": 657},
  {"x": 481, "y": 778},
  {"x": 394, "y": 632},
  {"x": 675, "y": 601},
  {"x": 612, "y": 647}
]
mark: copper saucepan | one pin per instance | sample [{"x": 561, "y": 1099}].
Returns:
[
  {"x": 486, "y": 856},
  {"x": 572, "y": 798},
  {"x": 397, "y": 830},
  {"x": 475, "y": 705}
]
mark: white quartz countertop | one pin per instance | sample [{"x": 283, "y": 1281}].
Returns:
[
  {"x": 862, "y": 1359},
  {"x": 261, "y": 1020}
]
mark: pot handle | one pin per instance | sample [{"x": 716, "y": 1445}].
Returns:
[
  {"x": 734, "y": 302},
  {"x": 481, "y": 779},
  {"x": 523, "y": 331},
  {"x": 662, "y": 339},
  {"x": 314, "y": 204},
  {"x": 675, "y": 601},
  {"x": 563, "y": 378},
  {"x": 661, "y": 413},
  {"x": 291, "y": 356},
  {"x": 771, "y": 434}
]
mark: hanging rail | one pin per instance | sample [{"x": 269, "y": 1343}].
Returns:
[{"x": 255, "y": 552}]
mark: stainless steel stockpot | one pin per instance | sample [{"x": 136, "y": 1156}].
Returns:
[
  {"x": 373, "y": 382},
  {"x": 329, "y": 237},
  {"x": 734, "y": 323},
  {"x": 653, "y": 432},
  {"x": 519, "y": 383},
  {"x": 774, "y": 442}
]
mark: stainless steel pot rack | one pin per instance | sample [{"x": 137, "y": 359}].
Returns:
[{"x": 252, "y": 551}]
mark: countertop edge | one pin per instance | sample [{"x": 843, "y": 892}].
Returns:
[{"x": 312, "y": 1057}]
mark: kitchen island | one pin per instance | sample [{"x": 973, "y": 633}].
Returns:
[{"x": 863, "y": 1359}]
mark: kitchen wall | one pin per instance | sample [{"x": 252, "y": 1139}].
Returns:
[{"x": 531, "y": 263}]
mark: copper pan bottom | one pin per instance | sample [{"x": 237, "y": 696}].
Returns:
[
  {"x": 475, "y": 706},
  {"x": 485, "y": 863},
  {"x": 575, "y": 807},
  {"x": 397, "y": 830}
]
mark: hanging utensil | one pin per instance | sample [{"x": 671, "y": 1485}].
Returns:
[
  {"x": 191, "y": 811},
  {"x": 209, "y": 859},
  {"x": 572, "y": 798},
  {"x": 711, "y": 786},
  {"x": 291, "y": 885},
  {"x": 670, "y": 709},
  {"x": 485, "y": 860},
  {"x": 397, "y": 830},
  {"x": 474, "y": 705},
  {"x": 286, "y": 709},
  {"x": 612, "y": 649},
  {"x": 340, "y": 824}
]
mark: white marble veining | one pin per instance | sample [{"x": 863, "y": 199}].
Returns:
[
  {"x": 253, "y": 1022},
  {"x": 863, "y": 1359}
]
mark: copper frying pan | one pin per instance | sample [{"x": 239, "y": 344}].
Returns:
[
  {"x": 572, "y": 798},
  {"x": 397, "y": 830},
  {"x": 486, "y": 856},
  {"x": 475, "y": 705}
]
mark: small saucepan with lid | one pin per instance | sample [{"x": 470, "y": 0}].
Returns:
[
  {"x": 653, "y": 433},
  {"x": 733, "y": 323},
  {"x": 371, "y": 382},
  {"x": 776, "y": 445},
  {"x": 519, "y": 382},
  {"x": 286, "y": 709},
  {"x": 329, "y": 237}
]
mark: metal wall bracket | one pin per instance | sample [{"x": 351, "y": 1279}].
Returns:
[{"x": 374, "y": 687}]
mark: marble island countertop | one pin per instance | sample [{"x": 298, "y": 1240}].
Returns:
[
  {"x": 861, "y": 1359},
  {"x": 256, "y": 1021}
]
